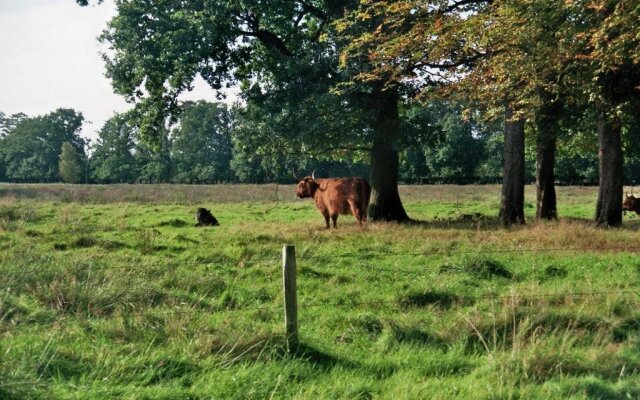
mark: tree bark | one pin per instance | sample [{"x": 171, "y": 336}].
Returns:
[
  {"x": 385, "y": 202},
  {"x": 609, "y": 205},
  {"x": 512, "y": 201},
  {"x": 546, "y": 206}
]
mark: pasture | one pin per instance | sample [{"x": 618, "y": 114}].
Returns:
[{"x": 112, "y": 292}]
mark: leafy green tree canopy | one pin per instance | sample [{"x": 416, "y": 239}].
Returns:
[
  {"x": 32, "y": 148},
  {"x": 70, "y": 165},
  {"x": 113, "y": 160},
  {"x": 201, "y": 144}
]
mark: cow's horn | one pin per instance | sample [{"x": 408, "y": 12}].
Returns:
[
  {"x": 295, "y": 177},
  {"x": 313, "y": 174}
]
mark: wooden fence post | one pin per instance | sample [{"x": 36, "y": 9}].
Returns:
[{"x": 290, "y": 301}]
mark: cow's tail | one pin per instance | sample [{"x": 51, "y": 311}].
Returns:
[{"x": 365, "y": 197}]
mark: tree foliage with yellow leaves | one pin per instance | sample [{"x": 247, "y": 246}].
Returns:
[{"x": 531, "y": 56}]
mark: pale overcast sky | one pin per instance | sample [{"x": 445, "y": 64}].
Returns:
[{"x": 49, "y": 58}]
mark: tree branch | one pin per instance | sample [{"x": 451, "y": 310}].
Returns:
[
  {"x": 267, "y": 38},
  {"x": 316, "y": 12},
  {"x": 449, "y": 65},
  {"x": 272, "y": 41},
  {"x": 328, "y": 150}
]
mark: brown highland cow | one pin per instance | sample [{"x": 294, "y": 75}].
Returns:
[{"x": 335, "y": 196}]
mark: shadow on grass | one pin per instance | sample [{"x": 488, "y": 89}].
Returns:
[
  {"x": 85, "y": 242},
  {"x": 552, "y": 272},
  {"x": 520, "y": 325},
  {"x": 472, "y": 222},
  {"x": 479, "y": 267},
  {"x": 326, "y": 362},
  {"x": 625, "y": 329},
  {"x": 628, "y": 225},
  {"x": 597, "y": 390},
  {"x": 319, "y": 358},
  {"x": 308, "y": 271},
  {"x": 183, "y": 238},
  {"x": 174, "y": 223},
  {"x": 169, "y": 369},
  {"x": 270, "y": 347},
  {"x": 438, "y": 299},
  {"x": 412, "y": 335},
  {"x": 481, "y": 222},
  {"x": 274, "y": 347},
  {"x": 62, "y": 364}
]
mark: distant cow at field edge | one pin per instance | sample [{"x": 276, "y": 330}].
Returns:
[
  {"x": 631, "y": 203},
  {"x": 335, "y": 196}
]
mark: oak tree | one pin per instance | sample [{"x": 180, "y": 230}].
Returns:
[{"x": 156, "y": 50}]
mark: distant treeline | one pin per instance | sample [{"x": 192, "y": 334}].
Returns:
[{"x": 212, "y": 143}]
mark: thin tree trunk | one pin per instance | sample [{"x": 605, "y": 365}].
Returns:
[
  {"x": 609, "y": 205},
  {"x": 546, "y": 207},
  {"x": 512, "y": 201},
  {"x": 385, "y": 202}
]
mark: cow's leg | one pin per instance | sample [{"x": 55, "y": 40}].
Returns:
[
  {"x": 355, "y": 210},
  {"x": 334, "y": 218},
  {"x": 326, "y": 219}
]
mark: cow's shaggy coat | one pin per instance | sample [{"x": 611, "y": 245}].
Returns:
[
  {"x": 335, "y": 196},
  {"x": 631, "y": 203}
]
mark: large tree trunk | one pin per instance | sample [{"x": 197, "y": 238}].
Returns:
[
  {"x": 512, "y": 201},
  {"x": 609, "y": 205},
  {"x": 546, "y": 207},
  {"x": 385, "y": 202}
]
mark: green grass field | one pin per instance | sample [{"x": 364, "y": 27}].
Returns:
[{"x": 110, "y": 292}]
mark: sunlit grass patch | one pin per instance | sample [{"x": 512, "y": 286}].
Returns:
[{"x": 119, "y": 295}]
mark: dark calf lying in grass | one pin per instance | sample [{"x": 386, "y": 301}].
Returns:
[
  {"x": 631, "y": 203},
  {"x": 205, "y": 218}
]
